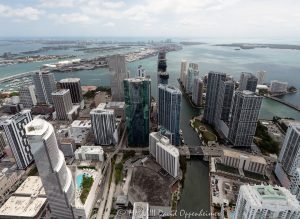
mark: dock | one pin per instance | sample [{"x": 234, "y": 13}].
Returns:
[{"x": 296, "y": 107}]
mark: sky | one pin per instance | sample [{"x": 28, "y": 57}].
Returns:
[{"x": 151, "y": 18}]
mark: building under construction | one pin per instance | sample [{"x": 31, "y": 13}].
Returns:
[{"x": 162, "y": 74}]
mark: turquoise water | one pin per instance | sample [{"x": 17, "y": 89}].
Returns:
[{"x": 79, "y": 179}]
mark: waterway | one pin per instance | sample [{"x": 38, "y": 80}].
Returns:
[{"x": 279, "y": 64}]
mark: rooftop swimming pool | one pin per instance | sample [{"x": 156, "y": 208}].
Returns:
[{"x": 79, "y": 179}]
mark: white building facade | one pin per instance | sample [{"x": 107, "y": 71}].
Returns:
[
  {"x": 165, "y": 154},
  {"x": 265, "y": 202}
]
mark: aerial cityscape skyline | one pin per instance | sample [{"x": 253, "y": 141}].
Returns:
[{"x": 151, "y": 109}]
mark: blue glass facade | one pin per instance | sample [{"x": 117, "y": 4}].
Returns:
[{"x": 169, "y": 104}]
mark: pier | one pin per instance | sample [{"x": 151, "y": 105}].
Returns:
[
  {"x": 21, "y": 75},
  {"x": 296, "y": 107}
]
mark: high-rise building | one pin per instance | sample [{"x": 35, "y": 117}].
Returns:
[
  {"x": 165, "y": 154},
  {"x": 27, "y": 96},
  {"x": 62, "y": 103},
  {"x": 140, "y": 71},
  {"x": 162, "y": 74},
  {"x": 227, "y": 100},
  {"x": 265, "y": 202},
  {"x": 169, "y": 105},
  {"x": 15, "y": 134},
  {"x": 56, "y": 176},
  {"x": 295, "y": 184},
  {"x": 104, "y": 125},
  {"x": 244, "y": 117},
  {"x": 44, "y": 86},
  {"x": 3, "y": 143},
  {"x": 117, "y": 68},
  {"x": 214, "y": 102},
  {"x": 289, "y": 156},
  {"x": 248, "y": 81},
  {"x": 192, "y": 73},
  {"x": 278, "y": 86},
  {"x": 197, "y": 91},
  {"x": 261, "y": 75},
  {"x": 137, "y": 92},
  {"x": 183, "y": 72},
  {"x": 73, "y": 84}
]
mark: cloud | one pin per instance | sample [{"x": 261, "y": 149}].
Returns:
[
  {"x": 57, "y": 3},
  {"x": 109, "y": 24},
  {"x": 70, "y": 18},
  {"x": 24, "y": 13}
]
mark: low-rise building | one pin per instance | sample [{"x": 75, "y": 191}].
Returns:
[
  {"x": 165, "y": 154},
  {"x": 80, "y": 130},
  {"x": 278, "y": 86},
  {"x": 29, "y": 201},
  {"x": 140, "y": 210},
  {"x": 8, "y": 178},
  {"x": 246, "y": 162},
  {"x": 67, "y": 146},
  {"x": 90, "y": 153}
]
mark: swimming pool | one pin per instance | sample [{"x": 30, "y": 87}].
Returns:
[{"x": 79, "y": 179}]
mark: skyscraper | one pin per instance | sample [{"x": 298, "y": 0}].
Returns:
[
  {"x": 227, "y": 100},
  {"x": 27, "y": 96},
  {"x": 295, "y": 184},
  {"x": 104, "y": 125},
  {"x": 2, "y": 143},
  {"x": 15, "y": 133},
  {"x": 117, "y": 68},
  {"x": 265, "y": 202},
  {"x": 73, "y": 84},
  {"x": 244, "y": 117},
  {"x": 44, "y": 85},
  {"x": 213, "y": 103},
  {"x": 137, "y": 92},
  {"x": 183, "y": 71},
  {"x": 261, "y": 77},
  {"x": 289, "y": 156},
  {"x": 162, "y": 74},
  {"x": 197, "y": 91},
  {"x": 56, "y": 176},
  {"x": 248, "y": 82},
  {"x": 169, "y": 104},
  {"x": 62, "y": 103},
  {"x": 192, "y": 73}
]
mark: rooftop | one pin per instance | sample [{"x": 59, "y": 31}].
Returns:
[
  {"x": 61, "y": 92},
  {"x": 137, "y": 79},
  {"x": 115, "y": 105},
  {"x": 269, "y": 192},
  {"x": 236, "y": 154},
  {"x": 22, "y": 206},
  {"x": 31, "y": 186},
  {"x": 81, "y": 124},
  {"x": 27, "y": 201},
  {"x": 140, "y": 210},
  {"x": 37, "y": 127},
  {"x": 66, "y": 80},
  {"x": 90, "y": 149}
]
